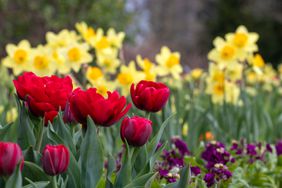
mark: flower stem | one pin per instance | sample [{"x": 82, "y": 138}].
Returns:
[
  {"x": 54, "y": 182},
  {"x": 147, "y": 115},
  {"x": 39, "y": 139}
]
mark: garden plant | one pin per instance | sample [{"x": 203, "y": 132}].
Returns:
[{"x": 74, "y": 114}]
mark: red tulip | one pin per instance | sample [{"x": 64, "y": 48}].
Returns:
[
  {"x": 10, "y": 156},
  {"x": 55, "y": 159},
  {"x": 44, "y": 95},
  {"x": 136, "y": 130},
  {"x": 103, "y": 111},
  {"x": 149, "y": 96}
]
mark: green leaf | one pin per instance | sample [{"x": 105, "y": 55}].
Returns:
[
  {"x": 110, "y": 170},
  {"x": 91, "y": 156},
  {"x": 142, "y": 180},
  {"x": 184, "y": 177},
  {"x": 63, "y": 131},
  {"x": 124, "y": 174},
  {"x": 34, "y": 172},
  {"x": 152, "y": 146},
  {"x": 39, "y": 184},
  {"x": 74, "y": 173},
  {"x": 15, "y": 180},
  {"x": 26, "y": 135},
  {"x": 8, "y": 133},
  {"x": 31, "y": 155}
]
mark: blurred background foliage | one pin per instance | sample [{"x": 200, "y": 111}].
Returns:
[
  {"x": 31, "y": 19},
  {"x": 188, "y": 26}
]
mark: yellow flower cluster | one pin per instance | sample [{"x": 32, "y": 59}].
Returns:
[
  {"x": 100, "y": 51},
  {"x": 63, "y": 52},
  {"x": 167, "y": 67},
  {"x": 230, "y": 58}
]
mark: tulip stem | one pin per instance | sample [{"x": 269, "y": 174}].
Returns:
[
  {"x": 54, "y": 182},
  {"x": 147, "y": 115},
  {"x": 39, "y": 139}
]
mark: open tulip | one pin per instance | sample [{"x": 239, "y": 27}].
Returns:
[
  {"x": 10, "y": 156},
  {"x": 103, "y": 111},
  {"x": 55, "y": 159},
  {"x": 44, "y": 95},
  {"x": 149, "y": 96},
  {"x": 136, "y": 130}
]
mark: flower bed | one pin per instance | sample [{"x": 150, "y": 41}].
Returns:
[{"x": 85, "y": 118}]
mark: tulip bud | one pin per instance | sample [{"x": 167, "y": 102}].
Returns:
[
  {"x": 55, "y": 159},
  {"x": 149, "y": 96},
  {"x": 10, "y": 156},
  {"x": 136, "y": 130}
]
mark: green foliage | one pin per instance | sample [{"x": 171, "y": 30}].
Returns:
[{"x": 37, "y": 17}]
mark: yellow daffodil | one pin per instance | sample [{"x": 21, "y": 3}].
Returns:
[
  {"x": 76, "y": 55},
  {"x": 257, "y": 61},
  {"x": 11, "y": 115},
  {"x": 244, "y": 41},
  {"x": 234, "y": 71},
  {"x": 127, "y": 76},
  {"x": 42, "y": 63},
  {"x": 115, "y": 39},
  {"x": 252, "y": 77},
  {"x": 60, "y": 61},
  {"x": 103, "y": 86},
  {"x": 216, "y": 74},
  {"x": 223, "y": 53},
  {"x": 101, "y": 41},
  {"x": 19, "y": 57},
  {"x": 232, "y": 93},
  {"x": 94, "y": 74},
  {"x": 88, "y": 33},
  {"x": 148, "y": 68},
  {"x": 196, "y": 73},
  {"x": 62, "y": 39},
  {"x": 226, "y": 91},
  {"x": 169, "y": 63},
  {"x": 107, "y": 59}
]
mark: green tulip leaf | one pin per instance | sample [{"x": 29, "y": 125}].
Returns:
[
  {"x": 34, "y": 172},
  {"x": 15, "y": 180},
  {"x": 26, "y": 135},
  {"x": 152, "y": 146},
  {"x": 185, "y": 175},
  {"x": 63, "y": 131},
  {"x": 142, "y": 180},
  {"x": 111, "y": 168},
  {"x": 8, "y": 133},
  {"x": 124, "y": 174},
  {"x": 91, "y": 156},
  {"x": 39, "y": 184}
]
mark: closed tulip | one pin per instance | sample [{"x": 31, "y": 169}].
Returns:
[
  {"x": 44, "y": 95},
  {"x": 10, "y": 156},
  {"x": 149, "y": 96},
  {"x": 103, "y": 111},
  {"x": 136, "y": 130},
  {"x": 55, "y": 159}
]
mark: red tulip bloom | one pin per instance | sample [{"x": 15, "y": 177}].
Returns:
[
  {"x": 10, "y": 156},
  {"x": 44, "y": 95},
  {"x": 149, "y": 96},
  {"x": 55, "y": 159},
  {"x": 103, "y": 111},
  {"x": 136, "y": 130}
]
